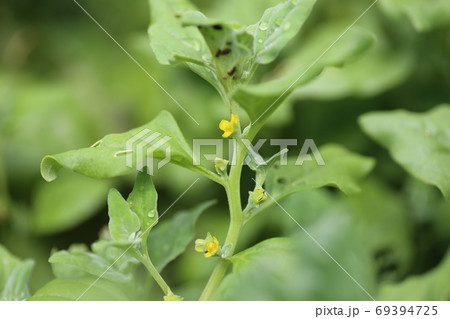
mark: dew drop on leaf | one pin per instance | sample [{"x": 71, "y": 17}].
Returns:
[
  {"x": 279, "y": 21},
  {"x": 263, "y": 26},
  {"x": 287, "y": 26}
]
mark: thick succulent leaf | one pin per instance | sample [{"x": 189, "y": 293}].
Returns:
[
  {"x": 14, "y": 276},
  {"x": 230, "y": 45},
  {"x": 425, "y": 15},
  {"x": 277, "y": 26},
  {"x": 431, "y": 286},
  {"x": 261, "y": 100},
  {"x": 143, "y": 201},
  {"x": 171, "y": 237},
  {"x": 109, "y": 157},
  {"x": 70, "y": 289},
  {"x": 343, "y": 169},
  {"x": 66, "y": 203},
  {"x": 420, "y": 143},
  {"x": 123, "y": 222},
  {"x": 88, "y": 263},
  {"x": 297, "y": 269}
]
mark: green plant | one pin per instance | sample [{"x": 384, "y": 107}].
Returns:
[{"x": 228, "y": 56}]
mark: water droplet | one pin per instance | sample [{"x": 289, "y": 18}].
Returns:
[
  {"x": 260, "y": 41},
  {"x": 287, "y": 26},
  {"x": 151, "y": 214},
  {"x": 245, "y": 74},
  {"x": 263, "y": 26},
  {"x": 279, "y": 21}
]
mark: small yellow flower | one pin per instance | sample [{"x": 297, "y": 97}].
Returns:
[
  {"x": 212, "y": 248},
  {"x": 209, "y": 245},
  {"x": 258, "y": 196},
  {"x": 228, "y": 127}
]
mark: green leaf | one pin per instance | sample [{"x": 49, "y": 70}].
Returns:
[
  {"x": 386, "y": 226},
  {"x": 277, "y": 26},
  {"x": 143, "y": 201},
  {"x": 174, "y": 44},
  {"x": 107, "y": 249},
  {"x": 297, "y": 269},
  {"x": 93, "y": 162},
  {"x": 171, "y": 237},
  {"x": 171, "y": 42},
  {"x": 352, "y": 81},
  {"x": 343, "y": 169},
  {"x": 123, "y": 222},
  {"x": 229, "y": 44},
  {"x": 70, "y": 289},
  {"x": 14, "y": 276},
  {"x": 16, "y": 287},
  {"x": 110, "y": 156},
  {"x": 89, "y": 263},
  {"x": 261, "y": 100},
  {"x": 430, "y": 286},
  {"x": 425, "y": 15},
  {"x": 418, "y": 142},
  {"x": 67, "y": 203}
]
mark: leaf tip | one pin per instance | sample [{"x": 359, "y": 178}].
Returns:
[{"x": 50, "y": 168}]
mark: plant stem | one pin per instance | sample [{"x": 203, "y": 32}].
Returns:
[
  {"x": 146, "y": 261},
  {"x": 233, "y": 190}
]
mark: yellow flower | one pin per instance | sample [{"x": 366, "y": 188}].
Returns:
[
  {"x": 228, "y": 127},
  {"x": 212, "y": 248},
  {"x": 209, "y": 245},
  {"x": 258, "y": 196}
]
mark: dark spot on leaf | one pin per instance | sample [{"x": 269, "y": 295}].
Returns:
[
  {"x": 282, "y": 180},
  {"x": 232, "y": 71},
  {"x": 226, "y": 51},
  {"x": 217, "y": 27},
  {"x": 222, "y": 52},
  {"x": 229, "y": 43}
]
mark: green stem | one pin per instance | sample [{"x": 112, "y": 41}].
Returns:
[
  {"x": 146, "y": 261},
  {"x": 207, "y": 173},
  {"x": 232, "y": 188}
]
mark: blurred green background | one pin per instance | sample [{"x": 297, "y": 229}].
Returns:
[{"x": 64, "y": 84}]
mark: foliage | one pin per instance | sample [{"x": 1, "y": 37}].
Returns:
[{"x": 346, "y": 220}]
